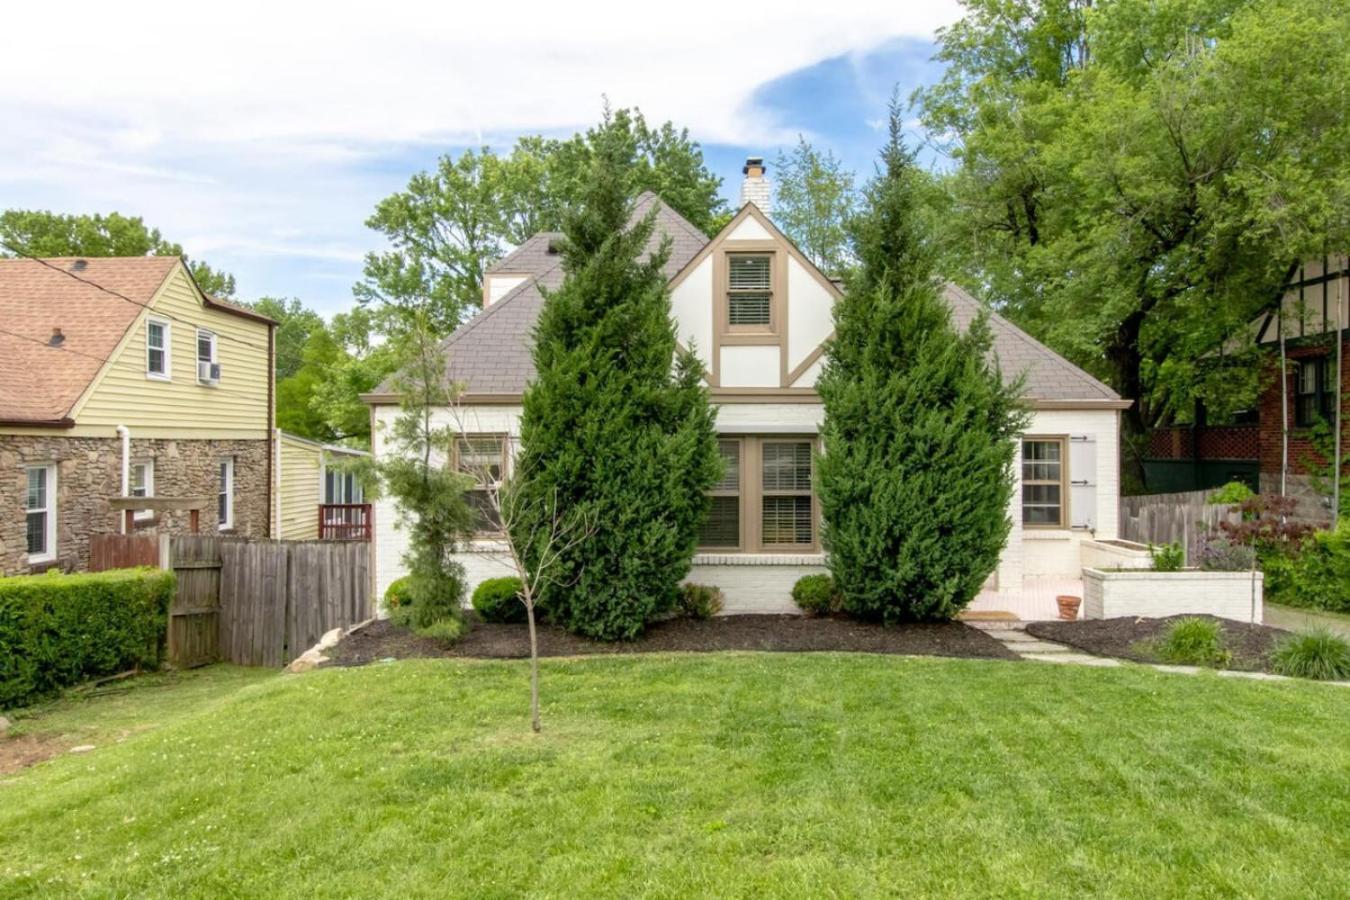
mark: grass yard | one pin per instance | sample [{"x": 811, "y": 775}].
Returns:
[{"x": 722, "y": 775}]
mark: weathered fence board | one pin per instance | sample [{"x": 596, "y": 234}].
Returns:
[
  {"x": 262, "y": 603},
  {"x": 122, "y": 551},
  {"x": 1172, "y": 518}
]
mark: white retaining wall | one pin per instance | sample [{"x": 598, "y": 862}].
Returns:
[{"x": 1156, "y": 595}]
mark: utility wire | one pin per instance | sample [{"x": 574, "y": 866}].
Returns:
[{"x": 107, "y": 290}]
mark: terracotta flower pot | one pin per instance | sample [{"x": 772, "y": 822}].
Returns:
[{"x": 1068, "y": 606}]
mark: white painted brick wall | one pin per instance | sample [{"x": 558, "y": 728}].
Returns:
[{"x": 1110, "y": 595}]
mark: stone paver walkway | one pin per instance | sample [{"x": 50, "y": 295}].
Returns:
[{"x": 1013, "y": 635}]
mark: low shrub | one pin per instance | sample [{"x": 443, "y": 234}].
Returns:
[
  {"x": 700, "y": 601},
  {"x": 437, "y": 598},
  {"x": 1232, "y": 494},
  {"x": 57, "y": 630},
  {"x": 1167, "y": 558},
  {"x": 498, "y": 600},
  {"x": 1318, "y": 577},
  {"x": 816, "y": 594},
  {"x": 447, "y": 631},
  {"x": 1216, "y": 552},
  {"x": 1316, "y": 654},
  {"x": 1194, "y": 642},
  {"x": 398, "y": 593}
]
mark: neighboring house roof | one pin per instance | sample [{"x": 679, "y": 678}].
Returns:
[
  {"x": 39, "y": 381},
  {"x": 320, "y": 445},
  {"x": 490, "y": 355}
]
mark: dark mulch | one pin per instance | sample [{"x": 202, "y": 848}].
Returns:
[
  {"x": 382, "y": 640},
  {"x": 1128, "y": 638}
]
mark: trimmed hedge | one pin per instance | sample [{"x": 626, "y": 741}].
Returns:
[
  {"x": 57, "y": 630},
  {"x": 498, "y": 600},
  {"x": 817, "y": 594}
]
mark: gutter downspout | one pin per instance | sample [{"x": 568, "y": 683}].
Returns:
[
  {"x": 276, "y": 498},
  {"x": 125, "y": 434}
]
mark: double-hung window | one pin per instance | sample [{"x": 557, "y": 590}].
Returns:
[
  {"x": 340, "y": 487},
  {"x": 483, "y": 458},
  {"x": 1315, "y": 391},
  {"x": 1043, "y": 482},
  {"x": 157, "y": 349},
  {"x": 225, "y": 494},
  {"x": 142, "y": 485},
  {"x": 764, "y": 502},
  {"x": 40, "y": 513},
  {"x": 208, "y": 372},
  {"x": 722, "y": 528},
  {"x": 786, "y": 506},
  {"x": 749, "y": 291}
]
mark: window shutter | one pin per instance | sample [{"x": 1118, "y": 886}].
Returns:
[{"x": 1083, "y": 481}]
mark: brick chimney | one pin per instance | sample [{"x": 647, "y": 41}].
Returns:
[{"x": 755, "y": 187}]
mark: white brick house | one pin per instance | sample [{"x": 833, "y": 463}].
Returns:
[{"x": 758, "y": 314}]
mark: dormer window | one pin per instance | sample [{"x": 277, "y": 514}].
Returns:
[{"x": 750, "y": 291}]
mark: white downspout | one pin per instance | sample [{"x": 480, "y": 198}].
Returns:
[
  {"x": 276, "y": 534},
  {"x": 125, "y": 434}
]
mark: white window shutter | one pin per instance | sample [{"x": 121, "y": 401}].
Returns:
[{"x": 1083, "y": 481}]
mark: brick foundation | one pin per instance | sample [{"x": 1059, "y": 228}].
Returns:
[{"x": 89, "y": 472}]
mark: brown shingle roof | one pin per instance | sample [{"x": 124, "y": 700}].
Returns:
[
  {"x": 40, "y": 383},
  {"x": 490, "y": 354}
]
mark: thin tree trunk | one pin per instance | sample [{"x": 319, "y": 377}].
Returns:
[
  {"x": 534, "y": 671},
  {"x": 1340, "y": 354}
]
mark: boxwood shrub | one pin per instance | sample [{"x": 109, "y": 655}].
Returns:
[
  {"x": 498, "y": 600},
  {"x": 57, "y": 630},
  {"x": 817, "y": 594}
]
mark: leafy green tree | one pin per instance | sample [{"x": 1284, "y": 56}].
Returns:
[
  {"x": 611, "y": 431},
  {"x": 43, "y": 233},
  {"x": 1133, "y": 178},
  {"x": 295, "y": 323},
  {"x": 813, "y": 198},
  {"x": 449, "y": 225},
  {"x": 915, "y": 473},
  {"x": 430, "y": 495}
]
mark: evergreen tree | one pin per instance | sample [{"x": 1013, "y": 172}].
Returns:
[
  {"x": 617, "y": 427},
  {"x": 919, "y": 434}
]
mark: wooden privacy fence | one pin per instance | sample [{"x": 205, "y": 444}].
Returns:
[
  {"x": 122, "y": 551},
  {"x": 1172, "y": 518},
  {"x": 255, "y": 603}
]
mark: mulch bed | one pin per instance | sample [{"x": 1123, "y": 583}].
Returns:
[
  {"x": 382, "y": 640},
  {"x": 1128, "y": 638}
]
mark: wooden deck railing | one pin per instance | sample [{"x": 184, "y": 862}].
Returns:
[{"x": 344, "y": 521}]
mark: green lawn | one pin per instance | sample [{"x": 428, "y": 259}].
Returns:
[{"x": 728, "y": 775}]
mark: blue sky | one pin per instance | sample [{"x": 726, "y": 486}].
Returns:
[{"x": 266, "y": 161}]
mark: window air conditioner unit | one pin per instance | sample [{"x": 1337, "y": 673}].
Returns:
[{"x": 208, "y": 372}]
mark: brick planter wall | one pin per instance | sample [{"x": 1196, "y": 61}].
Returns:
[
  {"x": 89, "y": 472},
  {"x": 1112, "y": 594}
]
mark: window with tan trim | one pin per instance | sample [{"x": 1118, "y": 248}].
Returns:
[
  {"x": 482, "y": 457},
  {"x": 1044, "y": 482},
  {"x": 722, "y": 529},
  {"x": 750, "y": 291},
  {"x": 764, "y": 503}
]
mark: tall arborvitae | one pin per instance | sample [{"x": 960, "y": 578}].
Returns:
[
  {"x": 617, "y": 427},
  {"x": 920, "y": 429}
]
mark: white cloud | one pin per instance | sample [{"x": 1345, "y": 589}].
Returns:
[{"x": 263, "y": 119}]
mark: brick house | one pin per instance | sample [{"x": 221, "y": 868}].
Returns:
[
  {"x": 119, "y": 377},
  {"x": 1308, "y": 323}
]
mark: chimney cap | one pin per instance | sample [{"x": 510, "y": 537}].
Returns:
[
  {"x": 754, "y": 162},
  {"x": 79, "y": 265},
  {"x": 57, "y": 338}
]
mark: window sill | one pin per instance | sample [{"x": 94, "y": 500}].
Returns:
[
  {"x": 151, "y": 376},
  {"x": 704, "y": 558},
  {"x": 1039, "y": 533}
]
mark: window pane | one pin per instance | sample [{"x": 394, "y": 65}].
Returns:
[
  {"x": 749, "y": 273},
  {"x": 1039, "y": 494},
  {"x": 749, "y": 309},
  {"x": 154, "y": 334},
  {"x": 787, "y": 520},
  {"x": 37, "y": 532},
  {"x": 1040, "y": 515},
  {"x": 731, "y": 461},
  {"x": 156, "y": 361},
  {"x": 485, "y": 515},
  {"x": 139, "y": 481},
  {"x": 1037, "y": 451},
  {"x": 37, "y": 488},
  {"x": 1040, "y": 471},
  {"x": 787, "y": 466},
  {"x": 1307, "y": 378},
  {"x": 722, "y": 528},
  {"x": 205, "y": 347},
  {"x": 481, "y": 457}
]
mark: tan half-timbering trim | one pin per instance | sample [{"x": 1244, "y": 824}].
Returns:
[
  {"x": 750, "y": 395},
  {"x": 805, "y": 364},
  {"x": 723, "y": 334}
]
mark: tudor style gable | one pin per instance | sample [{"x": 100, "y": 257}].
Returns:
[{"x": 755, "y": 309}]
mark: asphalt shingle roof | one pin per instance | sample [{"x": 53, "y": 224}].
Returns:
[
  {"x": 490, "y": 354},
  {"x": 40, "y": 382}
]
